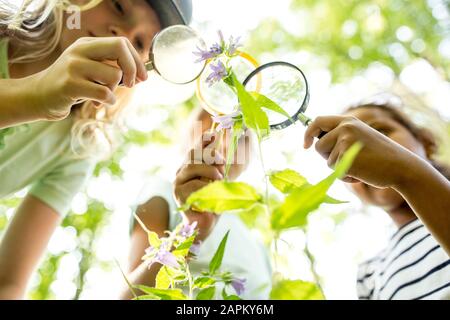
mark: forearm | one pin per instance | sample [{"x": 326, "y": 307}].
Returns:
[
  {"x": 10, "y": 291},
  {"x": 16, "y": 102},
  {"x": 23, "y": 244},
  {"x": 428, "y": 194},
  {"x": 142, "y": 275}
]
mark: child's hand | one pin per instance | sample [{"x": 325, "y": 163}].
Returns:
[
  {"x": 85, "y": 71},
  {"x": 205, "y": 165},
  {"x": 382, "y": 162}
]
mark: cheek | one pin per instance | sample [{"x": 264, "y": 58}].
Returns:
[
  {"x": 387, "y": 199},
  {"x": 360, "y": 190},
  {"x": 384, "y": 198},
  {"x": 409, "y": 142},
  {"x": 70, "y": 33}
]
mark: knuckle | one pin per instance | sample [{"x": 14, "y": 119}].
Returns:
[
  {"x": 318, "y": 146},
  {"x": 73, "y": 65},
  {"x": 68, "y": 84},
  {"x": 117, "y": 76},
  {"x": 345, "y": 140},
  {"x": 348, "y": 125},
  {"x": 79, "y": 42},
  {"x": 319, "y": 119},
  {"x": 102, "y": 93},
  {"x": 122, "y": 43}
]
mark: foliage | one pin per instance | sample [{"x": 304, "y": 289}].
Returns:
[
  {"x": 174, "y": 280},
  {"x": 295, "y": 290},
  {"x": 348, "y": 36},
  {"x": 300, "y": 197}
]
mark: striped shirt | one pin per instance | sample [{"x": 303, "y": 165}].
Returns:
[{"x": 412, "y": 267}]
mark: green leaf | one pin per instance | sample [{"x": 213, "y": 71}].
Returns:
[
  {"x": 304, "y": 200},
  {"x": 216, "y": 261},
  {"x": 147, "y": 297},
  {"x": 287, "y": 180},
  {"x": 221, "y": 196},
  {"x": 346, "y": 162},
  {"x": 254, "y": 117},
  {"x": 153, "y": 239},
  {"x": 232, "y": 297},
  {"x": 267, "y": 103},
  {"x": 238, "y": 129},
  {"x": 251, "y": 216},
  {"x": 295, "y": 290},
  {"x": 163, "y": 278},
  {"x": 331, "y": 200},
  {"x": 206, "y": 294},
  {"x": 182, "y": 249},
  {"x": 204, "y": 282},
  {"x": 163, "y": 294},
  {"x": 296, "y": 207}
]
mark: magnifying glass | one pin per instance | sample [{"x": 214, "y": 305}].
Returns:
[
  {"x": 219, "y": 99},
  {"x": 172, "y": 54},
  {"x": 286, "y": 85}
]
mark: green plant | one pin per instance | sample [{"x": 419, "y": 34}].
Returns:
[
  {"x": 174, "y": 281},
  {"x": 299, "y": 197}
]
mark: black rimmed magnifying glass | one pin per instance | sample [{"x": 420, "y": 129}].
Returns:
[
  {"x": 172, "y": 54},
  {"x": 285, "y": 84}
]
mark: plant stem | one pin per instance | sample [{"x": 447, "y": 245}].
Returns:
[
  {"x": 312, "y": 263},
  {"x": 266, "y": 180},
  {"x": 189, "y": 275},
  {"x": 127, "y": 281},
  {"x": 275, "y": 252}
]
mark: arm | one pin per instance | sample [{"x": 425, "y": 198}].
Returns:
[
  {"x": 23, "y": 245},
  {"x": 155, "y": 215},
  {"x": 428, "y": 194},
  {"x": 16, "y": 104},
  {"x": 386, "y": 164},
  {"x": 79, "y": 74}
]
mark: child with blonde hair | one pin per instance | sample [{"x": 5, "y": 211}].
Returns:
[{"x": 52, "y": 72}]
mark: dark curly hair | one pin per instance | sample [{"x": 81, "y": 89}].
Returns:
[{"x": 423, "y": 135}]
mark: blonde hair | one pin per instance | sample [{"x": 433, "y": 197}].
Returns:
[{"x": 33, "y": 30}]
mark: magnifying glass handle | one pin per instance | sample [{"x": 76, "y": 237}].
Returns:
[
  {"x": 149, "y": 66},
  {"x": 307, "y": 121}
]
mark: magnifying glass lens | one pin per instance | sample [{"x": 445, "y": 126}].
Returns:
[
  {"x": 284, "y": 84},
  {"x": 219, "y": 98},
  {"x": 173, "y": 54}
]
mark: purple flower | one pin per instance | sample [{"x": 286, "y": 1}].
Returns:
[
  {"x": 221, "y": 37},
  {"x": 162, "y": 256},
  {"x": 150, "y": 251},
  {"x": 203, "y": 54},
  {"x": 219, "y": 72},
  {"x": 238, "y": 285},
  {"x": 225, "y": 121},
  {"x": 233, "y": 45},
  {"x": 188, "y": 230},
  {"x": 195, "y": 248}
]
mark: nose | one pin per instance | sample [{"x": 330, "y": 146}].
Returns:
[{"x": 117, "y": 31}]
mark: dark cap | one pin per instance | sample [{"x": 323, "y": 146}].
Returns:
[{"x": 172, "y": 12}]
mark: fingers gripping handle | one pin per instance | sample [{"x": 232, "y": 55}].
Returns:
[{"x": 308, "y": 122}]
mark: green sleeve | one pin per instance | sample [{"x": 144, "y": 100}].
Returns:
[
  {"x": 4, "y": 72},
  {"x": 60, "y": 185}
]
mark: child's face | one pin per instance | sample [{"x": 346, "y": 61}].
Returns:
[
  {"x": 134, "y": 19},
  {"x": 383, "y": 122}
]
